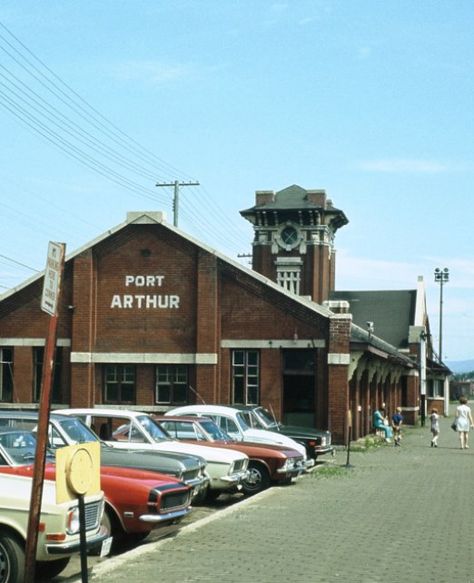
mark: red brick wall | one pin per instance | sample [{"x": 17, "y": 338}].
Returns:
[{"x": 338, "y": 384}]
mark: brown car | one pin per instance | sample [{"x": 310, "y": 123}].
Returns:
[{"x": 268, "y": 463}]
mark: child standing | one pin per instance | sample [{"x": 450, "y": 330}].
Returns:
[
  {"x": 434, "y": 417},
  {"x": 397, "y": 420}
]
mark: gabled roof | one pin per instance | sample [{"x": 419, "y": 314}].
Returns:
[
  {"x": 392, "y": 312},
  {"x": 153, "y": 217}
]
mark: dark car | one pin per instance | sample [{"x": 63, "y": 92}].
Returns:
[
  {"x": 316, "y": 441},
  {"x": 65, "y": 430}
]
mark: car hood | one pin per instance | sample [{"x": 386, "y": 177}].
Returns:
[
  {"x": 211, "y": 455},
  {"x": 298, "y": 431},
  {"x": 263, "y": 436},
  {"x": 251, "y": 449},
  {"x": 168, "y": 463}
]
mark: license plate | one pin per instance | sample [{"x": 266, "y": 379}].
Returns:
[{"x": 106, "y": 546}]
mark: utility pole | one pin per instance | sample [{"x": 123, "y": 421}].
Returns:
[{"x": 176, "y": 185}]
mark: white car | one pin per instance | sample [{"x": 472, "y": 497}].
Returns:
[
  {"x": 237, "y": 423},
  {"x": 126, "y": 429},
  {"x": 58, "y": 537}
]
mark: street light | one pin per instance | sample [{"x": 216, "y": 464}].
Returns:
[{"x": 441, "y": 277}]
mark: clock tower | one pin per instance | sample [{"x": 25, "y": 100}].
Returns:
[{"x": 294, "y": 239}]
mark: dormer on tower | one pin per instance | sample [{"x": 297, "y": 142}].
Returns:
[{"x": 294, "y": 239}]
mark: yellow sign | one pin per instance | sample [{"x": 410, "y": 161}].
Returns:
[{"x": 77, "y": 471}]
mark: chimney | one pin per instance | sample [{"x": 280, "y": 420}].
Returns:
[
  {"x": 317, "y": 197},
  {"x": 263, "y": 197},
  {"x": 337, "y": 306}
]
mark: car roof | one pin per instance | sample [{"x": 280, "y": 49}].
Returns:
[
  {"x": 103, "y": 412},
  {"x": 210, "y": 409},
  {"x": 21, "y": 414},
  {"x": 190, "y": 418}
]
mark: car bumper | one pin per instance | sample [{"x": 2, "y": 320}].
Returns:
[
  {"x": 198, "y": 485},
  {"x": 71, "y": 547},
  {"x": 157, "y": 518},
  {"x": 324, "y": 450},
  {"x": 228, "y": 482}
]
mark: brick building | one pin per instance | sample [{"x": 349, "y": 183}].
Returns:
[{"x": 150, "y": 318}]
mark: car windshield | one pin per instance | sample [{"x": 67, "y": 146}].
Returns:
[
  {"x": 21, "y": 447},
  {"x": 77, "y": 431},
  {"x": 156, "y": 432},
  {"x": 244, "y": 419},
  {"x": 264, "y": 418},
  {"x": 215, "y": 431}
]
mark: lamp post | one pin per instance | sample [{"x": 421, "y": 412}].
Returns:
[{"x": 441, "y": 276}]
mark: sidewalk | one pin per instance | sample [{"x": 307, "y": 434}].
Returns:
[{"x": 401, "y": 514}]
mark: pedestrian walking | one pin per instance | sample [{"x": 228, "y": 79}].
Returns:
[
  {"x": 397, "y": 422},
  {"x": 463, "y": 420},
  {"x": 434, "y": 418}
]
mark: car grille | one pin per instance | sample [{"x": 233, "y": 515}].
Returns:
[
  {"x": 93, "y": 513},
  {"x": 172, "y": 500}
]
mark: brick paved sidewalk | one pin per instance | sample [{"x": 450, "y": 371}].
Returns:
[{"x": 399, "y": 515}]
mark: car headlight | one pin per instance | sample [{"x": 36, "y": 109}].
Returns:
[
  {"x": 289, "y": 464},
  {"x": 72, "y": 523}
]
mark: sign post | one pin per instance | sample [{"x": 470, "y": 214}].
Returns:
[{"x": 49, "y": 304}]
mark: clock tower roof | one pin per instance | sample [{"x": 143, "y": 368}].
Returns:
[{"x": 293, "y": 199}]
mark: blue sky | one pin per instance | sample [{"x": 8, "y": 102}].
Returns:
[{"x": 369, "y": 100}]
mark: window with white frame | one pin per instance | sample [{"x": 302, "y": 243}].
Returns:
[
  {"x": 171, "y": 383},
  {"x": 435, "y": 388},
  {"x": 289, "y": 273},
  {"x": 245, "y": 377},
  {"x": 119, "y": 384}
]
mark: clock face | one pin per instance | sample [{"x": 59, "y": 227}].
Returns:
[{"x": 289, "y": 235}]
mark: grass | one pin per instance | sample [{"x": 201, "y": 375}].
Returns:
[{"x": 329, "y": 472}]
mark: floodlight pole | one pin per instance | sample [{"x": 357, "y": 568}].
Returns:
[{"x": 441, "y": 276}]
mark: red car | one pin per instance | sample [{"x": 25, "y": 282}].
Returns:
[
  {"x": 267, "y": 463},
  {"x": 136, "y": 501}
]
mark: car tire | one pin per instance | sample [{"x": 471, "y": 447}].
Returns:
[
  {"x": 46, "y": 570},
  {"x": 12, "y": 559},
  {"x": 258, "y": 479}
]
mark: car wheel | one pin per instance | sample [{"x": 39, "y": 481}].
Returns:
[
  {"x": 257, "y": 480},
  {"x": 12, "y": 560},
  {"x": 46, "y": 570}
]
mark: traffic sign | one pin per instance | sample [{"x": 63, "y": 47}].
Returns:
[{"x": 52, "y": 278}]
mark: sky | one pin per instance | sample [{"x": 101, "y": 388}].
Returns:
[{"x": 370, "y": 101}]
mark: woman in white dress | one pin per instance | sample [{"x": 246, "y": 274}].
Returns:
[{"x": 464, "y": 422}]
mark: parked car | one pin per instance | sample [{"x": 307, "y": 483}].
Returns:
[
  {"x": 268, "y": 464},
  {"x": 123, "y": 428},
  {"x": 135, "y": 501},
  {"x": 58, "y": 537},
  {"x": 238, "y": 424},
  {"x": 316, "y": 441},
  {"x": 65, "y": 430}
]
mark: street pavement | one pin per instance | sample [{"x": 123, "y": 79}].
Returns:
[{"x": 398, "y": 514}]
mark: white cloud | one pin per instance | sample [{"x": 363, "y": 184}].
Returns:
[{"x": 392, "y": 165}]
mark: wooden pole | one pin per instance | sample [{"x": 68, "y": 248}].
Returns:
[{"x": 42, "y": 429}]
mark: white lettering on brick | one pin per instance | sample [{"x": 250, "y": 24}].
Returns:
[
  {"x": 144, "y": 280},
  {"x": 149, "y": 302}
]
